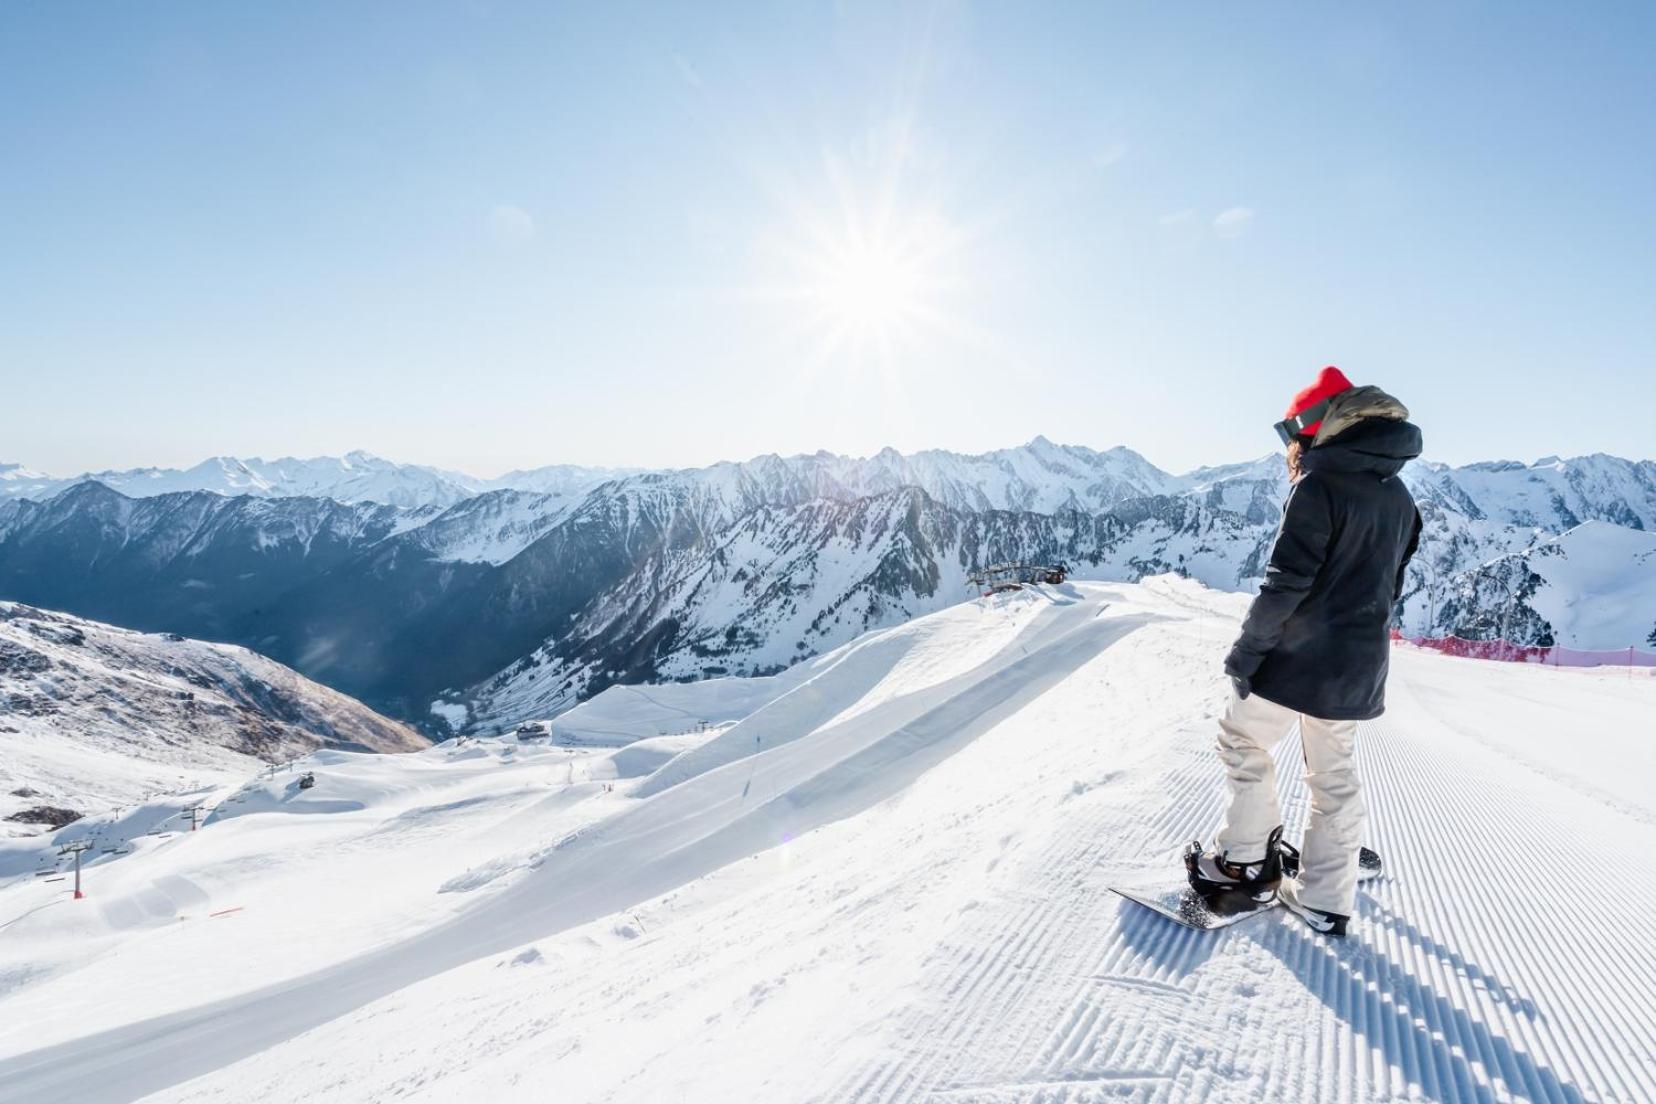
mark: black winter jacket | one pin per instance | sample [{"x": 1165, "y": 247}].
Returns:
[{"x": 1316, "y": 638}]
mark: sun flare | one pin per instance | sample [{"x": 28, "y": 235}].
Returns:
[
  {"x": 871, "y": 285},
  {"x": 873, "y": 282},
  {"x": 870, "y": 267}
]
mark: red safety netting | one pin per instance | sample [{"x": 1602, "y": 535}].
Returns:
[{"x": 1507, "y": 651}]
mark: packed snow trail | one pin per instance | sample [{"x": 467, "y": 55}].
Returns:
[{"x": 920, "y": 909}]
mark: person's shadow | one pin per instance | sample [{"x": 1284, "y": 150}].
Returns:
[
  {"x": 1425, "y": 1036},
  {"x": 1165, "y": 944}
]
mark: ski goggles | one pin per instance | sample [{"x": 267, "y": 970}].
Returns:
[{"x": 1294, "y": 425}]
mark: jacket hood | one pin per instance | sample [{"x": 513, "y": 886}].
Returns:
[
  {"x": 1365, "y": 429},
  {"x": 1352, "y": 406}
]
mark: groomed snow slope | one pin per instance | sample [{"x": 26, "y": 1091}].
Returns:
[{"x": 891, "y": 884}]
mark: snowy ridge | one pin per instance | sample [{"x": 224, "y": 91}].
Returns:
[
  {"x": 561, "y": 480},
  {"x": 355, "y": 477},
  {"x": 887, "y": 884},
  {"x": 1600, "y": 584},
  {"x": 786, "y": 583},
  {"x": 17, "y": 481},
  {"x": 545, "y": 597},
  {"x": 92, "y": 715},
  {"x": 490, "y": 528},
  {"x": 1039, "y": 477},
  {"x": 1550, "y": 494},
  {"x": 1592, "y": 585}
]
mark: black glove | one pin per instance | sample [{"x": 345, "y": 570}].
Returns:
[{"x": 1239, "y": 668}]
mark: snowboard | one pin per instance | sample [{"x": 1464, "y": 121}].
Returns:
[{"x": 1183, "y": 905}]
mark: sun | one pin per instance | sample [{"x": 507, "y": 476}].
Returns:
[
  {"x": 866, "y": 265},
  {"x": 871, "y": 286},
  {"x": 875, "y": 282}
]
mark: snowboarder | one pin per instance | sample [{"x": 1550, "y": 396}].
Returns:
[{"x": 1314, "y": 649}]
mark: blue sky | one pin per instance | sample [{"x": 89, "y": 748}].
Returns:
[{"x": 489, "y": 235}]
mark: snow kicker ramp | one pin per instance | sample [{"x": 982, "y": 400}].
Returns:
[{"x": 818, "y": 754}]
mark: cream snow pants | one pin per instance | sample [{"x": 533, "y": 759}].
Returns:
[{"x": 1247, "y": 733}]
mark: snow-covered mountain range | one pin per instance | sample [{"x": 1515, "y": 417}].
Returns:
[
  {"x": 352, "y": 478},
  {"x": 93, "y": 715},
  {"x": 521, "y": 601}
]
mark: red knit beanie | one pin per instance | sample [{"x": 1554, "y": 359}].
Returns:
[{"x": 1330, "y": 382}]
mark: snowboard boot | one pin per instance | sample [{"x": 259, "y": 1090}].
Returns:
[
  {"x": 1213, "y": 873},
  {"x": 1368, "y": 862},
  {"x": 1325, "y": 923}
]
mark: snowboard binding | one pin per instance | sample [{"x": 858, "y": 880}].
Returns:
[{"x": 1221, "y": 882}]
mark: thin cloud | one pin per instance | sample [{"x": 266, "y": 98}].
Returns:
[
  {"x": 687, "y": 71},
  {"x": 1112, "y": 154},
  {"x": 511, "y": 225},
  {"x": 1234, "y": 222},
  {"x": 1177, "y": 218}
]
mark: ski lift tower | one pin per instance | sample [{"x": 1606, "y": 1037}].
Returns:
[{"x": 77, "y": 849}]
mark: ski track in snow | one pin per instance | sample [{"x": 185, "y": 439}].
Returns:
[{"x": 940, "y": 927}]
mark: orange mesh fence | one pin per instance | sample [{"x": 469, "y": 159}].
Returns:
[{"x": 1552, "y": 655}]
